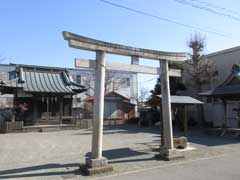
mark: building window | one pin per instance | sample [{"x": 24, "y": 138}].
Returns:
[
  {"x": 78, "y": 79},
  {"x": 12, "y": 75}
]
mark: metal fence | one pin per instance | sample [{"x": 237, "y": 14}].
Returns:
[{"x": 17, "y": 125}]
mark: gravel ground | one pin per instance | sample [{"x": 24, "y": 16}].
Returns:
[{"x": 57, "y": 155}]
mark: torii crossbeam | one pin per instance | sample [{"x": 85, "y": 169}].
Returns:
[{"x": 96, "y": 163}]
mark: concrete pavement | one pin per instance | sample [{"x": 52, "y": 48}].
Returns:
[
  {"x": 222, "y": 167},
  {"x": 57, "y": 155}
]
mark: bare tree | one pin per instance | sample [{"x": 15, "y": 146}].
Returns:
[
  {"x": 197, "y": 67},
  {"x": 113, "y": 81},
  {"x": 88, "y": 80},
  {"x": 143, "y": 94}
]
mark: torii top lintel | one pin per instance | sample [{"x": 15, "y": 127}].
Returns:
[{"x": 85, "y": 43}]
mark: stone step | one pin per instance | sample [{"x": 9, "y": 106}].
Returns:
[{"x": 50, "y": 122}]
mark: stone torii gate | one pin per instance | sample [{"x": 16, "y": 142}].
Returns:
[{"x": 97, "y": 163}]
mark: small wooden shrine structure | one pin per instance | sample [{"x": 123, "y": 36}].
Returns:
[
  {"x": 42, "y": 95},
  {"x": 180, "y": 102}
]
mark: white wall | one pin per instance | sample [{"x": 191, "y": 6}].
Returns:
[
  {"x": 6, "y": 100},
  {"x": 223, "y": 62},
  {"x": 129, "y": 90},
  {"x": 214, "y": 112}
]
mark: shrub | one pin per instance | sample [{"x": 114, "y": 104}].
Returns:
[{"x": 192, "y": 122}]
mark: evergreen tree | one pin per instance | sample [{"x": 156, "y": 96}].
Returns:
[{"x": 176, "y": 83}]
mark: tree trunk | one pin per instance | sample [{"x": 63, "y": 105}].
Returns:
[{"x": 200, "y": 108}]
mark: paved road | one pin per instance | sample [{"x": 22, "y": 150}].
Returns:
[{"x": 223, "y": 167}]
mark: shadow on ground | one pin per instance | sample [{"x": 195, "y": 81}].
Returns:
[
  {"x": 30, "y": 171},
  {"x": 119, "y": 153},
  {"x": 124, "y": 129},
  {"x": 213, "y": 140},
  {"x": 195, "y": 136},
  {"x": 124, "y": 155},
  {"x": 199, "y": 137},
  {"x": 68, "y": 171}
]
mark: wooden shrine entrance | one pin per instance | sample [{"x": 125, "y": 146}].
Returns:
[{"x": 97, "y": 162}]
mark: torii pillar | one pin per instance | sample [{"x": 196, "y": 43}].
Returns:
[
  {"x": 96, "y": 163},
  {"x": 166, "y": 106},
  {"x": 167, "y": 152},
  {"x": 98, "y": 108}
]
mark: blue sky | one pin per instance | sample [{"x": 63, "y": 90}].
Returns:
[{"x": 30, "y": 31}]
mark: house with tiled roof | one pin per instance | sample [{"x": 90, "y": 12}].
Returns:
[{"x": 229, "y": 94}]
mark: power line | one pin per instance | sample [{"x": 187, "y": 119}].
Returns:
[
  {"x": 217, "y": 7},
  {"x": 214, "y": 9},
  {"x": 211, "y": 8},
  {"x": 166, "y": 19}
]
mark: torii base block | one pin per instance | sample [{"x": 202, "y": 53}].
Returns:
[
  {"x": 96, "y": 166},
  {"x": 169, "y": 154}
]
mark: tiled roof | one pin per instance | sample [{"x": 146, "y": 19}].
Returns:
[
  {"x": 183, "y": 100},
  {"x": 174, "y": 100},
  {"x": 48, "y": 82},
  {"x": 107, "y": 95},
  {"x": 221, "y": 91},
  {"x": 42, "y": 80},
  {"x": 226, "y": 88}
]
